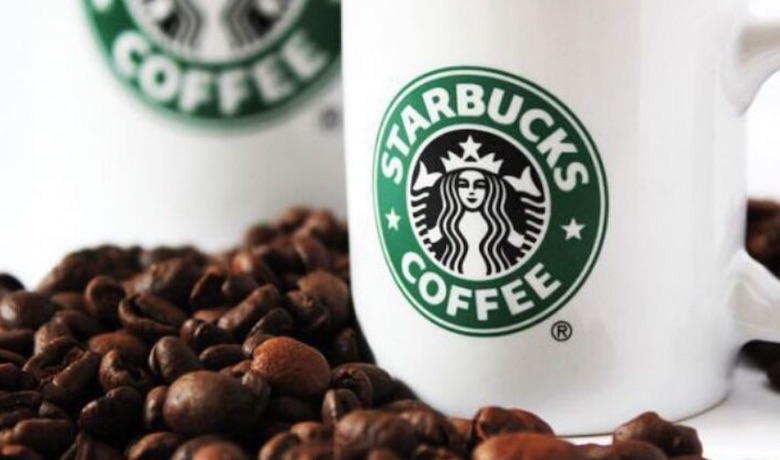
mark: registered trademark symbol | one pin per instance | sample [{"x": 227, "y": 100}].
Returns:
[{"x": 561, "y": 331}]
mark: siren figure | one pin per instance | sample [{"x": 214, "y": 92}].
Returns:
[{"x": 474, "y": 232}]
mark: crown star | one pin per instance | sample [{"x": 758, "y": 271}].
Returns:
[
  {"x": 470, "y": 149},
  {"x": 471, "y": 159}
]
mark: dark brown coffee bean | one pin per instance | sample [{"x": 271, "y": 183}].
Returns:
[
  {"x": 66, "y": 371},
  {"x": 312, "y": 318},
  {"x": 278, "y": 322},
  {"x": 382, "y": 454},
  {"x": 253, "y": 341},
  {"x": 162, "y": 254},
  {"x": 257, "y": 385},
  {"x": 238, "y": 370},
  {"x": 11, "y": 357},
  {"x": 18, "y": 452},
  {"x": 319, "y": 451},
  {"x": 9, "y": 418},
  {"x": 637, "y": 450},
  {"x": 187, "y": 450},
  {"x": 344, "y": 348},
  {"x": 17, "y": 340},
  {"x": 10, "y": 377},
  {"x": 278, "y": 446},
  {"x": 311, "y": 251},
  {"x": 239, "y": 320},
  {"x": 404, "y": 405},
  {"x": 27, "y": 310},
  {"x": 331, "y": 291},
  {"x": 236, "y": 288},
  {"x": 323, "y": 225},
  {"x": 218, "y": 357},
  {"x": 492, "y": 421},
  {"x": 434, "y": 429},
  {"x": 598, "y": 452},
  {"x": 361, "y": 431},
  {"x": 251, "y": 263},
  {"x": 48, "y": 437},
  {"x": 674, "y": 440},
  {"x": 292, "y": 368},
  {"x": 382, "y": 384},
  {"x": 312, "y": 432},
  {"x": 49, "y": 410},
  {"x": 81, "y": 325},
  {"x": 208, "y": 402},
  {"x": 211, "y": 315},
  {"x": 115, "y": 416},
  {"x": 171, "y": 280},
  {"x": 207, "y": 291},
  {"x": 69, "y": 301},
  {"x": 9, "y": 283},
  {"x": 116, "y": 371},
  {"x": 103, "y": 295},
  {"x": 289, "y": 410},
  {"x": 155, "y": 446},
  {"x": 351, "y": 378},
  {"x": 131, "y": 347},
  {"x": 526, "y": 446},
  {"x": 88, "y": 448},
  {"x": 73, "y": 273},
  {"x": 171, "y": 358},
  {"x": 48, "y": 333},
  {"x": 20, "y": 400},
  {"x": 428, "y": 452},
  {"x": 258, "y": 235},
  {"x": 150, "y": 317},
  {"x": 200, "y": 334},
  {"x": 153, "y": 408},
  {"x": 220, "y": 451},
  {"x": 337, "y": 404}
]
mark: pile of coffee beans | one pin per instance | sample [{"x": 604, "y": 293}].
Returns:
[
  {"x": 253, "y": 353},
  {"x": 763, "y": 243}
]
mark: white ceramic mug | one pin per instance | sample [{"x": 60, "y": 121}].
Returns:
[
  {"x": 163, "y": 121},
  {"x": 549, "y": 199}
]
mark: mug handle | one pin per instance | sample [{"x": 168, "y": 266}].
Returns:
[{"x": 755, "y": 58}]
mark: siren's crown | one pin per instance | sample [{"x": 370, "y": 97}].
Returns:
[{"x": 471, "y": 159}]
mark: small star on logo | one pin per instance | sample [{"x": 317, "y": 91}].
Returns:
[
  {"x": 573, "y": 230},
  {"x": 470, "y": 149},
  {"x": 392, "y": 220}
]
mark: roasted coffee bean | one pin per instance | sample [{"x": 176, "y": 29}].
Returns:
[
  {"x": 236, "y": 288},
  {"x": 292, "y": 368},
  {"x": 171, "y": 280},
  {"x": 239, "y": 320},
  {"x": 207, "y": 291},
  {"x": 12, "y": 378},
  {"x": 211, "y": 315},
  {"x": 81, "y": 325},
  {"x": 208, "y": 402},
  {"x": 434, "y": 429},
  {"x": 22, "y": 309},
  {"x": 251, "y": 262},
  {"x": 116, "y": 371},
  {"x": 9, "y": 283},
  {"x": 259, "y": 234},
  {"x": 115, "y": 416},
  {"x": 331, "y": 291},
  {"x": 492, "y": 421},
  {"x": 220, "y": 451},
  {"x": 463, "y": 426},
  {"x": 526, "y": 446},
  {"x": 312, "y": 432},
  {"x": 323, "y": 225},
  {"x": 7, "y": 357},
  {"x": 48, "y": 333},
  {"x": 171, "y": 358},
  {"x": 361, "y": 431},
  {"x": 69, "y": 301},
  {"x": 150, "y": 317},
  {"x": 344, "y": 348},
  {"x": 17, "y": 340},
  {"x": 277, "y": 322},
  {"x": 382, "y": 454},
  {"x": 289, "y": 410},
  {"x": 239, "y": 370},
  {"x": 218, "y": 357},
  {"x": 598, "y": 452},
  {"x": 312, "y": 319},
  {"x": 674, "y": 440},
  {"x": 187, "y": 450},
  {"x": 131, "y": 347},
  {"x": 405, "y": 405},
  {"x": 20, "y": 400},
  {"x": 18, "y": 452},
  {"x": 48, "y": 437},
  {"x": 637, "y": 450},
  {"x": 428, "y": 452},
  {"x": 162, "y": 254},
  {"x": 257, "y": 385},
  {"x": 320, "y": 451},
  {"x": 9, "y": 418},
  {"x": 103, "y": 295},
  {"x": 354, "y": 379},
  {"x": 382, "y": 384},
  {"x": 153, "y": 408},
  {"x": 154, "y": 446},
  {"x": 278, "y": 446},
  {"x": 49, "y": 410},
  {"x": 66, "y": 371},
  {"x": 253, "y": 341},
  {"x": 200, "y": 334},
  {"x": 88, "y": 448},
  {"x": 337, "y": 404},
  {"x": 73, "y": 273},
  {"x": 312, "y": 253}
]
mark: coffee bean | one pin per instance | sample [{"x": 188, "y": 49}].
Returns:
[
  {"x": 312, "y": 432},
  {"x": 69, "y": 301},
  {"x": 207, "y": 291},
  {"x": 22, "y": 309},
  {"x": 312, "y": 253},
  {"x": 18, "y": 452},
  {"x": 236, "y": 288},
  {"x": 73, "y": 273},
  {"x": 674, "y": 440},
  {"x": 312, "y": 318},
  {"x": 220, "y": 451},
  {"x": 239, "y": 320},
  {"x": 11, "y": 357},
  {"x": 208, "y": 402},
  {"x": 382, "y": 384},
  {"x": 354, "y": 379},
  {"x": 150, "y": 317},
  {"x": 154, "y": 407},
  {"x": 115, "y": 371},
  {"x": 428, "y": 452},
  {"x": 361, "y": 431},
  {"x": 257, "y": 385},
  {"x": 187, "y": 450},
  {"x": 11, "y": 377},
  {"x": 492, "y": 421},
  {"x": 171, "y": 358},
  {"x": 9, "y": 283},
  {"x": 211, "y": 315},
  {"x": 277, "y": 322},
  {"x": 434, "y": 429},
  {"x": 637, "y": 450},
  {"x": 251, "y": 262},
  {"x": 17, "y": 340},
  {"x": 337, "y": 404},
  {"x": 331, "y": 291},
  {"x": 278, "y": 446},
  {"x": 292, "y": 368},
  {"x": 103, "y": 295},
  {"x": 9, "y": 418},
  {"x": 52, "y": 411},
  {"x": 321, "y": 451},
  {"x": 526, "y": 446},
  {"x": 66, "y": 371},
  {"x": 129, "y": 346},
  {"x": 344, "y": 348},
  {"x": 80, "y": 324},
  {"x": 199, "y": 334},
  {"x": 289, "y": 410},
  {"x": 171, "y": 280},
  {"x": 154, "y": 446},
  {"x": 50, "y": 438},
  {"x": 253, "y": 341},
  {"x": 382, "y": 454},
  {"x": 115, "y": 416},
  {"x": 220, "y": 356},
  {"x": 48, "y": 333}
]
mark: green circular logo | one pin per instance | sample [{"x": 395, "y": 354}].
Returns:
[
  {"x": 219, "y": 60},
  {"x": 490, "y": 199}
]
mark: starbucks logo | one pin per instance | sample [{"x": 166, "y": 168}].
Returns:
[
  {"x": 219, "y": 60},
  {"x": 491, "y": 200}
]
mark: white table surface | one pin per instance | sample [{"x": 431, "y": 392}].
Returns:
[{"x": 746, "y": 426}]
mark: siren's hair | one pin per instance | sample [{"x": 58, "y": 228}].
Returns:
[{"x": 493, "y": 210}]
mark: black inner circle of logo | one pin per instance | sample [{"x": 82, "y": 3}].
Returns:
[{"x": 478, "y": 204}]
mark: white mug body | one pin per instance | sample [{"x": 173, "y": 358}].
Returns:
[
  {"x": 648, "y": 324},
  {"x": 90, "y": 155}
]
